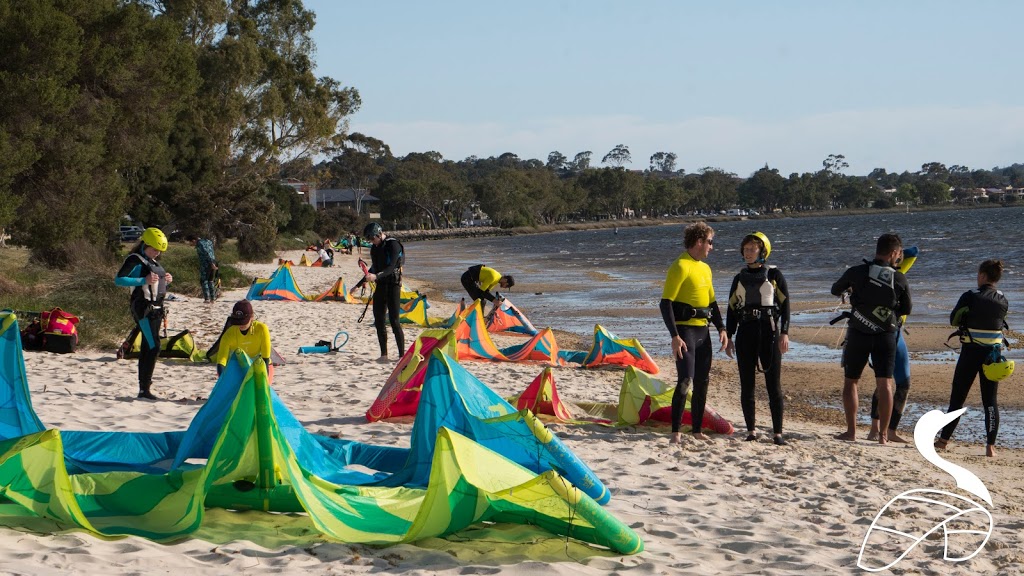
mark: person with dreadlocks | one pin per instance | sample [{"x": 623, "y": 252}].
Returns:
[{"x": 758, "y": 317}]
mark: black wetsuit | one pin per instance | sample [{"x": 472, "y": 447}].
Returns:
[
  {"x": 881, "y": 295},
  {"x": 758, "y": 313},
  {"x": 981, "y": 310},
  {"x": 148, "y": 314},
  {"x": 385, "y": 259}
]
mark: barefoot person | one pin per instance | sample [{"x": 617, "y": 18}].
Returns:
[
  {"x": 901, "y": 370},
  {"x": 758, "y": 316},
  {"x": 980, "y": 316},
  {"x": 879, "y": 297},
  {"x": 687, "y": 303}
]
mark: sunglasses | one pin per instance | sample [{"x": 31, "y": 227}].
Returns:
[{"x": 710, "y": 241}]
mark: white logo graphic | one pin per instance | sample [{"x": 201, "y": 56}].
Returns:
[{"x": 914, "y": 515}]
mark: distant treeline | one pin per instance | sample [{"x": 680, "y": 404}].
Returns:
[{"x": 189, "y": 115}]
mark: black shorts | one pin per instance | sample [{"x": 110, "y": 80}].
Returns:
[{"x": 881, "y": 348}]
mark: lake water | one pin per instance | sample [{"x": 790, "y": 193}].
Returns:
[{"x": 573, "y": 280}]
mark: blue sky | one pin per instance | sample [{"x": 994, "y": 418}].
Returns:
[{"x": 732, "y": 85}]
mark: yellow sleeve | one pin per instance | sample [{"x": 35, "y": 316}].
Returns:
[
  {"x": 264, "y": 336},
  {"x": 674, "y": 281},
  {"x": 228, "y": 344},
  {"x": 489, "y": 278}
]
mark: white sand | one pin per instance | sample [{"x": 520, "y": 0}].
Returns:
[{"x": 723, "y": 507}]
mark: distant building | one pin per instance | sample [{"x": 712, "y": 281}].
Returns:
[{"x": 358, "y": 199}]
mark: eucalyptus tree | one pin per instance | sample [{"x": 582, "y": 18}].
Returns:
[
  {"x": 763, "y": 190},
  {"x": 557, "y": 161},
  {"x": 258, "y": 106},
  {"x": 581, "y": 161},
  {"x": 717, "y": 187},
  {"x": 425, "y": 183},
  {"x": 618, "y": 157},
  {"x": 361, "y": 160},
  {"x": 663, "y": 162}
]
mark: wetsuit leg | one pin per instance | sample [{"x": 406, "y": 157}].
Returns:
[
  {"x": 855, "y": 353},
  {"x": 684, "y": 375},
  {"x": 771, "y": 363},
  {"x": 901, "y": 376},
  {"x": 393, "y": 297},
  {"x": 747, "y": 335},
  {"x": 968, "y": 366},
  {"x": 205, "y": 281},
  {"x": 149, "y": 349},
  {"x": 701, "y": 379},
  {"x": 380, "y": 307},
  {"x": 989, "y": 393}
]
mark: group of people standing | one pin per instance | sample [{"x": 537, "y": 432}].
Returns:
[{"x": 755, "y": 332}]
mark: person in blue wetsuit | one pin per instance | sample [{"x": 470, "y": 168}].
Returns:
[
  {"x": 901, "y": 370},
  {"x": 143, "y": 273},
  {"x": 758, "y": 317},
  {"x": 687, "y": 304},
  {"x": 879, "y": 297}
]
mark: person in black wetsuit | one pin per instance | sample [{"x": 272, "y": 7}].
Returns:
[
  {"x": 385, "y": 270},
  {"x": 148, "y": 281},
  {"x": 758, "y": 316},
  {"x": 880, "y": 297},
  {"x": 980, "y": 316}
]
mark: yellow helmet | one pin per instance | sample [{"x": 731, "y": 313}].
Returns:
[
  {"x": 764, "y": 240},
  {"x": 998, "y": 370},
  {"x": 154, "y": 238}
]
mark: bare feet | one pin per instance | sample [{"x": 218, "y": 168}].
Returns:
[
  {"x": 941, "y": 444},
  {"x": 846, "y": 436},
  {"x": 873, "y": 435},
  {"x": 894, "y": 437},
  {"x": 779, "y": 440},
  {"x": 990, "y": 450},
  {"x": 751, "y": 436},
  {"x": 701, "y": 436},
  {"x": 677, "y": 438},
  {"x": 883, "y": 440},
  {"x": 382, "y": 360}
]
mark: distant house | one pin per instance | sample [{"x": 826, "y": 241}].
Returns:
[{"x": 358, "y": 199}]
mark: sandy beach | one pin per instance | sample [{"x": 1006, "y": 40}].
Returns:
[{"x": 722, "y": 507}]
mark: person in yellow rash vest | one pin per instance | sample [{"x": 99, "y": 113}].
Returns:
[
  {"x": 479, "y": 280},
  {"x": 247, "y": 335},
  {"x": 687, "y": 303}
]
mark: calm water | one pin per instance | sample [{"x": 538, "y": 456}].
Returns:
[{"x": 573, "y": 280}]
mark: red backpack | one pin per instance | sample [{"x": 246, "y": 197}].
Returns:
[{"x": 60, "y": 332}]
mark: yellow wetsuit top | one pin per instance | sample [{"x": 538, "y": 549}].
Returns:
[
  {"x": 255, "y": 343},
  {"x": 489, "y": 278},
  {"x": 689, "y": 282}
]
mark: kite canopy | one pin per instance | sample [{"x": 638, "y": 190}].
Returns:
[
  {"x": 508, "y": 318},
  {"x": 280, "y": 286},
  {"x": 610, "y": 349},
  {"x": 337, "y": 293},
  {"x": 645, "y": 399},
  {"x": 258, "y": 456}
]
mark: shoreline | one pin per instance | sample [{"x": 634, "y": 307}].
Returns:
[{"x": 491, "y": 231}]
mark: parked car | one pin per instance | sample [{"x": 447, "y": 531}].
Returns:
[{"x": 130, "y": 233}]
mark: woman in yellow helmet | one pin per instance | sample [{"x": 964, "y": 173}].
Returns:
[
  {"x": 148, "y": 280},
  {"x": 981, "y": 316}
]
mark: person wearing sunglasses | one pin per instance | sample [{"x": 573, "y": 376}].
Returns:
[{"x": 687, "y": 305}]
